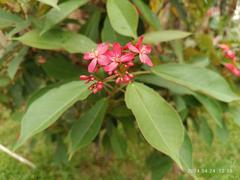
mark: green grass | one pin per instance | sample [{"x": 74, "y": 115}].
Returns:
[{"x": 87, "y": 165}]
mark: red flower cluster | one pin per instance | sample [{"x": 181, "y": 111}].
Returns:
[
  {"x": 229, "y": 54},
  {"x": 115, "y": 60}
]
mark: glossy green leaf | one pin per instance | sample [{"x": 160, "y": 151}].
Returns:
[
  {"x": 181, "y": 107},
  {"x": 223, "y": 133},
  {"x": 91, "y": 28},
  {"x": 161, "y": 82},
  {"x": 205, "y": 131},
  {"x": 197, "y": 79},
  {"x": 159, "y": 164},
  {"x": 120, "y": 111},
  {"x": 86, "y": 129},
  {"x": 16, "y": 61},
  {"x": 19, "y": 27},
  {"x": 123, "y": 17},
  {"x": 158, "y": 121},
  {"x": 54, "y": 16},
  {"x": 162, "y": 36},
  {"x": 147, "y": 14},
  {"x": 60, "y": 68},
  {"x": 45, "y": 110},
  {"x": 109, "y": 35},
  {"x": 60, "y": 154},
  {"x": 177, "y": 46},
  {"x": 118, "y": 143},
  {"x": 58, "y": 40},
  {"x": 235, "y": 114},
  {"x": 8, "y": 19},
  {"x": 130, "y": 129},
  {"x": 212, "y": 106},
  {"x": 186, "y": 152},
  {"x": 52, "y": 3}
]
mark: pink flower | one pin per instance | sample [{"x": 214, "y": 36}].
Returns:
[
  {"x": 121, "y": 79},
  {"x": 233, "y": 69},
  {"x": 87, "y": 79},
  {"x": 96, "y": 87},
  {"x": 116, "y": 58},
  {"x": 97, "y": 57},
  {"x": 142, "y": 50},
  {"x": 228, "y": 53},
  {"x": 224, "y": 47}
]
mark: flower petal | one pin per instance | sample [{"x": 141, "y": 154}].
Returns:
[
  {"x": 102, "y": 48},
  {"x": 127, "y": 57},
  {"x": 92, "y": 66},
  {"x": 146, "y": 49},
  {"x": 117, "y": 49},
  {"x": 111, "y": 67},
  {"x": 103, "y": 60},
  {"x": 233, "y": 69},
  {"x": 132, "y": 48},
  {"x": 139, "y": 43},
  {"x": 110, "y": 55},
  {"x": 145, "y": 59},
  {"x": 88, "y": 56},
  {"x": 224, "y": 47}
]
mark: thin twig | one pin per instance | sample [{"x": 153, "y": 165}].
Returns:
[{"x": 16, "y": 156}]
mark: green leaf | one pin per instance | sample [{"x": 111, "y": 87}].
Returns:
[
  {"x": 158, "y": 121},
  {"x": 223, "y": 133},
  {"x": 186, "y": 152},
  {"x": 60, "y": 68},
  {"x": 118, "y": 143},
  {"x": 86, "y": 129},
  {"x": 177, "y": 46},
  {"x": 120, "y": 111},
  {"x": 159, "y": 165},
  {"x": 197, "y": 79},
  {"x": 8, "y": 19},
  {"x": 16, "y": 61},
  {"x": 158, "y": 81},
  {"x": 19, "y": 27},
  {"x": 147, "y": 14},
  {"x": 205, "y": 131},
  {"x": 91, "y": 28},
  {"x": 54, "y": 16},
  {"x": 58, "y": 40},
  {"x": 181, "y": 107},
  {"x": 39, "y": 92},
  {"x": 60, "y": 154},
  {"x": 109, "y": 35},
  {"x": 162, "y": 36},
  {"x": 123, "y": 17},
  {"x": 52, "y": 3},
  {"x": 235, "y": 114},
  {"x": 45, "y": 110},
  {"x": 212, "y": 106},
  {"x": 130, "y": 129}
]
